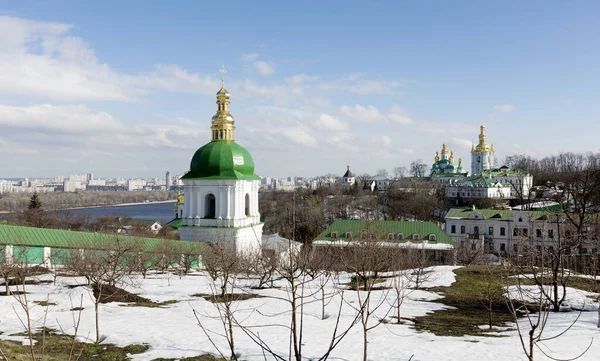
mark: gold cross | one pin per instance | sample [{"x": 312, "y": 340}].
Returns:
[{"x": 223, "y": 72}]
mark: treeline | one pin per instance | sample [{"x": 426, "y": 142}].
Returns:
[
  {"x": 552, "y": 168},
  {"x": 16, "y": 202}
]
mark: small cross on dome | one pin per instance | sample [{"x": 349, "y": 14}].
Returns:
[{"x": 223, "y": 72}]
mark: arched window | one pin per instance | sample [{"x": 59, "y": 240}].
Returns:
[
  {"x": 210, "y": 205},
  {"x": 348, "y": 235},
  {"x": 390, "y": 236},
  {"x": 400, "y": 236},
  {"x": 432, "y": 237},
  {"x": 333, "y": 234},
  {"x": 247, "y": 204},
  {"x": 415, "y": 237}
]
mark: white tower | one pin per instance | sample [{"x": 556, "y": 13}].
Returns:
[
  {"x": 221, "y": 189},
  {"x": 482, "y": 155}
]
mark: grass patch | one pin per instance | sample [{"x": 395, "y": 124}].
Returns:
[
  {"x": 353, "y": 284},
  {"x": 228, "y": 297},
  {"x": 151, "y": 304},
  {"x": 195, "y": 358},
  {"x": 58, "y": 347},
  {"x": 44, "y": 303},
  {"x": 469, "y": 297}
]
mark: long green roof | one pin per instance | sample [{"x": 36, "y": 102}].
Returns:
[
  {"x": 383, "y": 228},
  {"x": 58, "y": 238}
]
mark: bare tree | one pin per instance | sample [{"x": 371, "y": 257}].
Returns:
[
  {"x": 418, "y": 168},
  {"x": 103, "y": 267},
  {"x": 399, "y": 172},
  {"x": 535, "y": 307}
]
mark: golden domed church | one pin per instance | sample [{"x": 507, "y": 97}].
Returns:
[
  {"x": 482, "y": 155},
  {"x": 221, "y": 188},
  {"x": 445, "y": 164}
]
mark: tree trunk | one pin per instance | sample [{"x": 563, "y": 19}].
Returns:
[
  {"x": 365, "y": 343},
  {"x": 323, "y": 303},
  {"x": 96, "y": 304},
  {"x": 555, "y": 301},
  {"x": 490, "y": 308}
]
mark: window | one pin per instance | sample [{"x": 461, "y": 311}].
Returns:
[
  {"x": 210, "y": 206},
  {"x": 247, "y": 204},
  {"x": 584, "y": 250},
  {"x": 520, "y": 219},
  {"x": 333, "y": 234},
  {"x": 462, "y": 229},
  {"x": 515, "y": 232},
  {"x": 390, "y": 236},
  {"x": 476, "y": 230},
  {"x": 363, "y": 235},
  {"x": 539, "y": 249},
  {"x": 348, "y": 235},
  {"x": 432, "y": 237},
  {"x": 524, "y": 231},
  {"x": 502, "y": 231},
  {"x": 491, "y": 231},
  {"x": 400, "y": 236},
  {"x": 516, "y": 247},
  {"x": 415, "y": 237},
  {"x": 550, "y": 233},
  {"x": 538, "y": 233},
  {"x": 550, "y": 249},
  {"x": 502, "y": 247},
  {"x": 453, "y": 229}
]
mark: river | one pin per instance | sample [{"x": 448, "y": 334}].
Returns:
[{"x": 162, "y": 212}]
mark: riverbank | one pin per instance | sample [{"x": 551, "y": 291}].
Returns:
[
  {"x": 16, "y": 202},
  {"x": 103, "y": 206}
]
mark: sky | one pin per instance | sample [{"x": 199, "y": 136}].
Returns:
[{"x": 127, "y": 88}]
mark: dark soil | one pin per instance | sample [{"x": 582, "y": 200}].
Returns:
[{"x": 115, "y": 294}]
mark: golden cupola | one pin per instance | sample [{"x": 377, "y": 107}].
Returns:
[
  {"x": 482, "y": 146},
  {"x": 223, "y": 122}
]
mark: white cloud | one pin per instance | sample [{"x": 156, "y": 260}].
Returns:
[
  {"x": 355, "y": 83},
  {"x": 329, "y": 122},
  {"x": 300, "y": 135},
  {"x": 368, "y": 114},
  {"x": 371, "y": 114},
  {"x": 77, "y": 128},
  {"x": 399, "y": 115},
  {"x": 250, "y": 57},
  {"x": 463, "y": 144},
  {"x": 386, "y": 141},
  {"x": 264, "y": 68},
  {"x": 300, "y": 79},
  {"x": 65, "y": 119},
  {"x": 507, "y": 108}
]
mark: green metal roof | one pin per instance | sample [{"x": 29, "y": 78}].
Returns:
[
  {"x": 383, "y": 228},
  {"x": 222, "y": 159},
  {"x": 58, "y": 238},
  {"x": 176, "y": 223},
  {"x": 502, "y": 214},
  {"x": 479, "y": 181}
]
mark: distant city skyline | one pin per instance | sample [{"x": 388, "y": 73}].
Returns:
[{"x": 127, "y": 88}]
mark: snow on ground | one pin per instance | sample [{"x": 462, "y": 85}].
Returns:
[{"x": 173, "y": 331}]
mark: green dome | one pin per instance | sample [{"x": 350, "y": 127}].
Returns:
[{"x": 222, "y": 159}]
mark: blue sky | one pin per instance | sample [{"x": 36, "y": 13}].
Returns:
[{"x": 126, "y": 88}]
